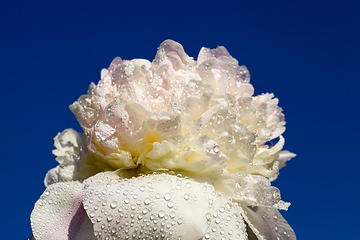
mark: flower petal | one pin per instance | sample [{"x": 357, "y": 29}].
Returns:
[
  {"x": 52, "y": 176},
  {"x": 59, "y": 214},
  {"x": 284, "y": 156},
  {"x": 267, "y": 223},
  {"x": 224, "y": 221},
  {"x": 160, "y": 205}
]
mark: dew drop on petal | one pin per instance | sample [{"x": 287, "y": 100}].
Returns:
[
  {"x": 179, "y": 221},
  {"x": 216, "y": 149},
  {"x": 167, "y": 196},
  {"x": 109, "y": 218},
  {"x": 147, "y": 201},
  {"x": 113, "y": 204},
  {"x": 161, "y": 214}
]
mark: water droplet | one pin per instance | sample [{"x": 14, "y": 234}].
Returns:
[
  {"x": 113, "y": 204},
  {"x": 147, "y": 201},
  {"x": 172, "y": 214},
  {"x": 186, "y": 197},
  {"x": 161, "y": 214},
  {"x": 167, "y": 196},
  {"x": 216, "y": 149},
  {"x": 170, "y": 204}
]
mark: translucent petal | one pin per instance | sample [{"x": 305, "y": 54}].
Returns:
[
  {"x": 52, "y": 176},
  {"x": 59, "y": 214},
  {"x": 224, "y": 220},
  {"x": 267, "y": 223},
  {"x": 284, "y": 157},
  {"x": 255, "y": 190},
  {"x": 67, "y": 145}
]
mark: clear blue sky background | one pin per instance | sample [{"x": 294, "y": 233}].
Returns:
[{"x": 306, "y": 52}]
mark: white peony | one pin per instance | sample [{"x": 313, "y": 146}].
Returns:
[{"x": 173, "y": 149}]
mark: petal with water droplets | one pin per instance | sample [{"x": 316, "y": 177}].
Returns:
[
  {"x": 59, "y": 214},
  {"x": 268, "y": 223},
  {"x": 159, "y": 205}
]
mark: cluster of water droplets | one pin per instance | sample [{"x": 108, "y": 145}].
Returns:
[
  {"x": 59, "y": 201},
  {"x": 160, "y": 207}
]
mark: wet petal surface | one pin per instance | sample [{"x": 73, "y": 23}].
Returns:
[{"x": 59, "y": 214}]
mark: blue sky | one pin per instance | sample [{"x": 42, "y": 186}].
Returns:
[{"x": 305, "y": 52}]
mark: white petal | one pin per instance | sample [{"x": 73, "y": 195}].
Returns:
[
  {"x": 162, "y": 206},
  {"x": 52, "y": 176},
  {"x": 225, "y": 221},
  {"x": 59, "y": 214},
  {"x": 267, "y": 223},
  {"x": 67, "y": 141},
  {"x": 59, "y": 174},
  {"x": 284, "y": 157}
]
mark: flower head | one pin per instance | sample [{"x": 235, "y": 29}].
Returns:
[{"x": 151, "y": 130}]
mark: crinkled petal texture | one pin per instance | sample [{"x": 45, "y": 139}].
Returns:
[
  {"x": 75, "y": 161},
  {"x": 156, "y": 116}
]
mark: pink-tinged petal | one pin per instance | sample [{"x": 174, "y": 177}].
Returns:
[
  {"x": 52, "y": 176},
  {"x": 84, "y": 111},
  {"x": 267, "y": 223},
  {"x": 159, "y": 206},
  {"x": 284, "y": 157},
  {"x": 172, "y": 53},
  {"x": 206, "y": 53},
  {"x": 117, "y": 61},
  {"x": 141, "y": 62},
  {"x": 225, "y": 69},
  {"x": 59, "y": 214},
  {"x": 275, "y": 119}
]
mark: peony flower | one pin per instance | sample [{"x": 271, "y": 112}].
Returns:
[{"x": 171, "y": 149}]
